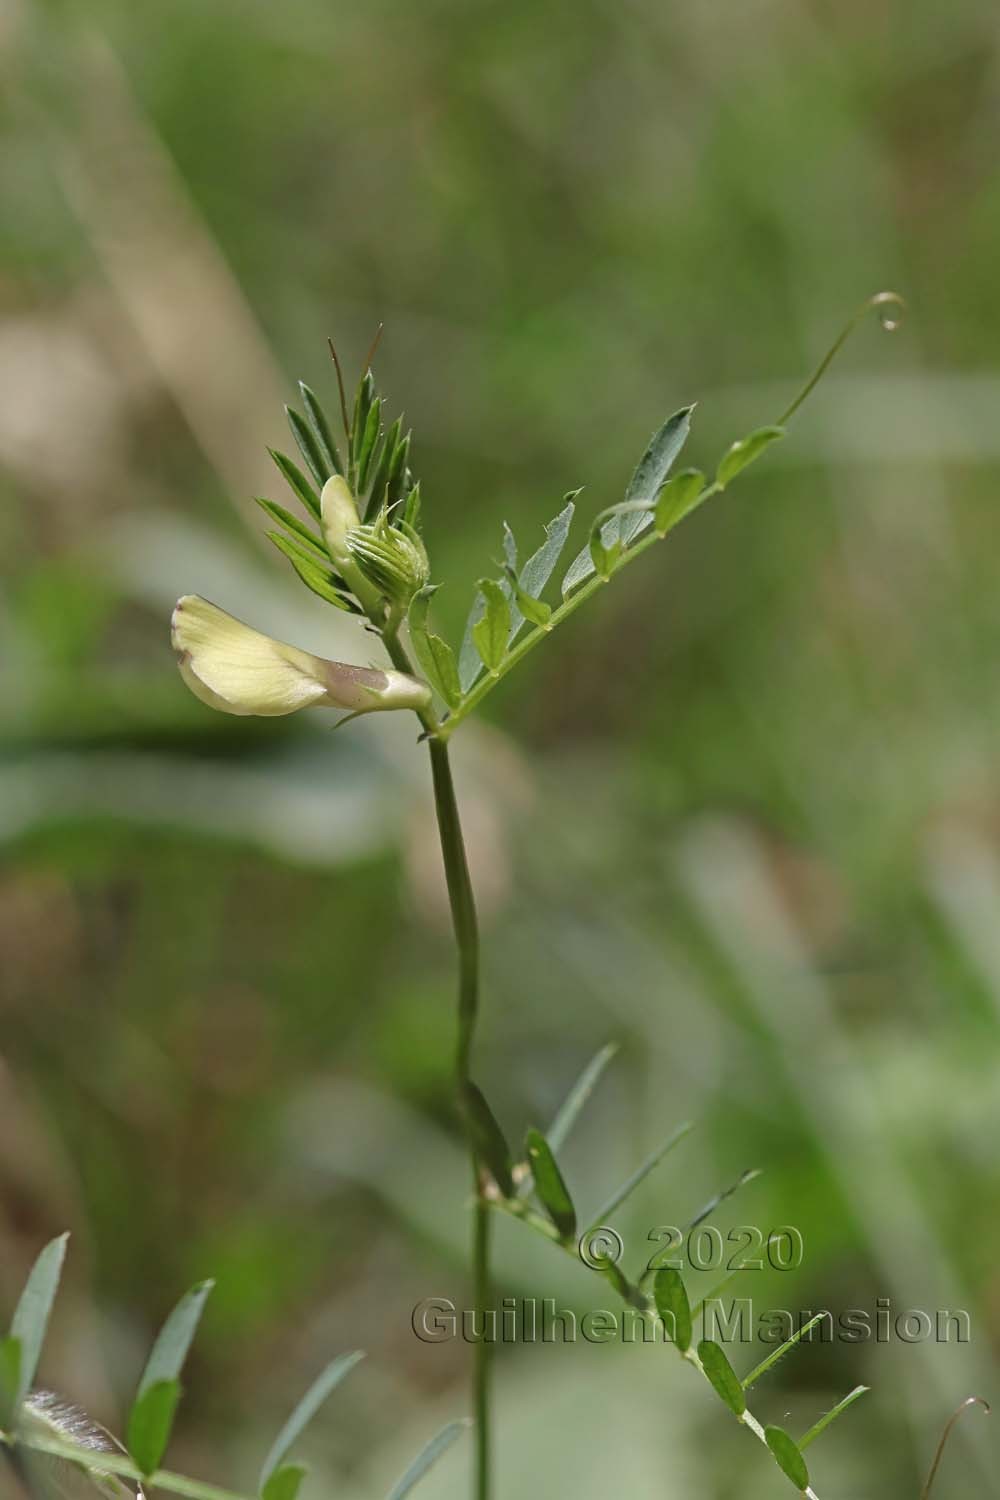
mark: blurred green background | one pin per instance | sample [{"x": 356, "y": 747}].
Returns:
[{"x": 740, "y": 815}]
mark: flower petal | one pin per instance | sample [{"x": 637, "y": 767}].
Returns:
[{"x": 236, "y": 669}]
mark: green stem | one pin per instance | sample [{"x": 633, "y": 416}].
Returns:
[{"x": 466, "y": 928}]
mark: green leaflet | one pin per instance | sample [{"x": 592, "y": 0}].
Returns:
[
  {"x": 284, "y": 1483},
  {"x": 316, "y": 418},
  {"x": 310, "y": 570},
  {"x": 672, "y": 1304},
  {"x": 152, "y": 1414},
  {"x": 296, "y": 528},
  {"x": 492, "y": 632},
  {"x": 31, "y": 1318},
  {"x": 436, "y": 658},
  {"x": 316, "y": 460},
  {"x": 150, "y": 1423},
  {"x": 491, "y": 1145},
  {"x": 722, "y": 1376},
  {"x": 578, "y": 1095},
  {"x": 678, "y": 497},
  {"x": 336, "y": 1371},
  {"x": 427, "y": 1456},
  {"x": 787, "y": 1456},
  {"x": 650, "y": 474},
  {"x": 550, "y": 1186},
  {"x": 744, "y": 451},
  {"x": 298, "y": 482}
]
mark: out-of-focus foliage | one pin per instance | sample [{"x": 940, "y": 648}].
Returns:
[{"x": 742, "y": 816}]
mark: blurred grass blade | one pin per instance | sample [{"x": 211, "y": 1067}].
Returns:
[
  {"x": 569, "y": 1111},
  {"x": 550, "y": 1186},
  {"x": 717, "y": 1290},
  {"x": 640, "y": 1173},
  {"x": 491, "y": 1145},
  {"x": 316, "y": 417},
  {"x": 832, "y": 1415},
  {"x": 722, "y": 1376},
  {"x": 306, "y": 442},
  {"x": 709, "y": 1208},
  {"x": 787, "y": 1456},
  {"x": 427, "y": 1457},
  {"x": 776, "y": 1354},
  {"x": 297, "y": 481},
  {"x": 673, "y": 1306},
  {"x": 31, "y": 1316},
  {"x": 741, "y": 453},
  {"x": 152, "y": 1414},
  {"x": 304, "y": 1412}
]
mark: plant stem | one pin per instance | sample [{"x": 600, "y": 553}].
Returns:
[
  {"x": 466, "y": 928},
  {"x": 463, "y": 916}
]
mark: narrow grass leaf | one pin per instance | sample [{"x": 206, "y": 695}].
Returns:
[
  {"x": 284, "y": 1483},
  {"x": 775, "y": 1355},
  {"x": 304, "y": 1412},
  {"x": 427, "y": 1457},
  {"x": 311, "y": 571},
  {"x": 307, "y": 444},
  {"x": 722, "y": 1376},
  {"x": 832, "y": 1415},
  {"x": 31, "y": 1316},
  {"x": 743, "y": 452},
  {"x": 491, "y": 1144},
  {"x": 295, "y": 527},
  {"x": 550, "y": 1186},
  {"x": 641, "y": 1173},
  {"x": 787, "y": 1456},
  {"x": 150, "y": 1423},
  {"x": 359, "y": 420},
  {"x": 316, "y": 417},
  {"x": 678, "y": 497},
  {"x": 569, "y": 1110},
  {"x": 672, "y": 1304},
  {"x": 492, "y": 632},
  {"x": 297, "y": 482}
]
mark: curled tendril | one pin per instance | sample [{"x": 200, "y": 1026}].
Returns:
[
  {"x": 946, "y": 1434},
  {"x": 890, "y": 308}
]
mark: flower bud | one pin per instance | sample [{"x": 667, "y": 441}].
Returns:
[
  {"x": 339, "y": 511},
  {"x": 393, "y": 558}
]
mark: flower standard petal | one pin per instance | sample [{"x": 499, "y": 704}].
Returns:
[{"x": 238, "y": 670}]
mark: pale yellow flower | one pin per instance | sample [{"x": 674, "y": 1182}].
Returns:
[{"x": 238, "y": 670}]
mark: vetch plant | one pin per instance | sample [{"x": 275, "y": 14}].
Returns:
[{"x": 357, "y": 543}]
